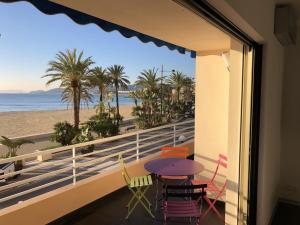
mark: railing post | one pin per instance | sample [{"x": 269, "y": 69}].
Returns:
[
  {"x": 137, "y": 146},
  {"x": 174, "y": 133},
  {"x": 74, "y": 165}
]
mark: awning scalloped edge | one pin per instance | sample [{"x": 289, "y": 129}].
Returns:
[{"x": 51, "y": 8}]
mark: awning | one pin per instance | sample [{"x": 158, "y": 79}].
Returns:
[{"x": 51, "y": 8}]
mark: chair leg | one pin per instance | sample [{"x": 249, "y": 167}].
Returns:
[
  {"x": 142, "y": 193},
  {"x": 212, "y": 207},
  {"x": 131, "y": 200},
  {"x": 140, "y": 197}
]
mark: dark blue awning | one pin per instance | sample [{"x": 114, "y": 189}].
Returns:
[{"x": 51, "y": 8}]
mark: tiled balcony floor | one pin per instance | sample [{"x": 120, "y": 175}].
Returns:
[{"x": 111, "y": 210}]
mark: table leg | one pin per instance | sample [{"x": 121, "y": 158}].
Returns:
[{"x": 156, "y": 195}]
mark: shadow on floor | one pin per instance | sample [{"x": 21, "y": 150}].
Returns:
[{"x": 111, "y": 210}]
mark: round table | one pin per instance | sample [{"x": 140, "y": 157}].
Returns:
[{"x": 173, "y": 167}]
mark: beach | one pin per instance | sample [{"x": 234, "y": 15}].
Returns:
[{"x": 16, "y": 124}]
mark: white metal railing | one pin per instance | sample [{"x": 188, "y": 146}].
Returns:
[{"x": 68, "y": 165}]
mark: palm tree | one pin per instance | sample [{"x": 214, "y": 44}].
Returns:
[
  {"x": 177, "y": 80},
  {"x": 118, "y": 79},
  {"x": 188, "y": 86},
  {"x": 148, "y": 80},
  {"x": 99, "y": 78},
  {"x": 13, "y": 146},
  {"x": 71, "y": 70}
]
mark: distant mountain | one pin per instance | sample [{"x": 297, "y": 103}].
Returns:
[
  {"x": 131, "y": 87},
  {"x": 51, "y": 91}
]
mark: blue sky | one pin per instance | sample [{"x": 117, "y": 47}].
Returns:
[{"x": 29, "y": 39}]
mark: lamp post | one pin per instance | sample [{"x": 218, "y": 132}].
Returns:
[{"x": 161, "y": 88}]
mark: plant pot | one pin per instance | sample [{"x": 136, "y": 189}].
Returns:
[
  {"x": 18, "y": 167},
  {"x": 43, "y": 156},
  {"x": 87, "y": 150}
]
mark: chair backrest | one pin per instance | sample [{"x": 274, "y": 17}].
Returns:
[
  {"x": 174, "y": 151},
  {"x": 185, "y": 191},
  {"x": 124, "y": 171},
  {"x": 222, "y": 162}
]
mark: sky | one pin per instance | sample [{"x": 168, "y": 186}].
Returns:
[{"x": 30, "y": 39}]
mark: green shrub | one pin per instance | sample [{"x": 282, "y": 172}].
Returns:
[
  {"x": 85, "y": 135},
  {"x": 13, "y": 146},
  {"x": 103, "y": 125},
  {"x": 64, "y": 133}
]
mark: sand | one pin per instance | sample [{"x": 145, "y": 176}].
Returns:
[{"x": 16, "y": 124}]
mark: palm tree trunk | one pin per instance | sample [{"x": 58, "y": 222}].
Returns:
[
  {"x": 108, "y": 110},
  {"x": 117, "y": 100},
  {"x": 78, "y": 103},
  {"x": 75, "y": 107},
  {"x": 101, "y": 95}
]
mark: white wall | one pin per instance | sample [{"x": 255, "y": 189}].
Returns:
[
  {"x": 290, "y": 154},
  {"x": 256, "y": 17}
]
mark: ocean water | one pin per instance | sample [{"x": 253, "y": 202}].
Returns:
[{"x": 39, "y": 102}]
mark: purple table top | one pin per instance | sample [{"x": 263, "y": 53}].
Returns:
[{"x": 173, "y": 167}]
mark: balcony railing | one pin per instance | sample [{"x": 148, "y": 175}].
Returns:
[{"x": 69, "y": 164}]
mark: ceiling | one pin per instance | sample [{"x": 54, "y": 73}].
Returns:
[{"x": 165, "y": 20}]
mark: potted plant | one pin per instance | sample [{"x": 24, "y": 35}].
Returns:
[
  {"x": 13, "y": 147},
  {"x": 84, "y": 136}
]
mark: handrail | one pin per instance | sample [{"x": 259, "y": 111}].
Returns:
[
  {"x": 98, "y": 141},
  {"x": 48, "y": 134},
  {"x": 70, "y": 165}
]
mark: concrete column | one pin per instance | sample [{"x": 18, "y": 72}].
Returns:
[
  {"x": 211, "y": 119},
  {"x": 234, "y": 132},
  {"x": 218, "y": 120}
]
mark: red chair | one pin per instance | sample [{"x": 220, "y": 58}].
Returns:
[
  {"x": 174, "y": 152},
  {"x": 213, "y": 188},
  {"x": 183, "y": 201}
]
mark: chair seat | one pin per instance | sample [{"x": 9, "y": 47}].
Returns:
[
  {"x": 174, "y": 177},
  {"x": 210, "y": 185},
  {"x": 182, "y": 209},
  {"x": 141, "y": 181}
]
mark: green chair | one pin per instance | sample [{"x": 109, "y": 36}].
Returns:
[{"x": 138, "y": 186}]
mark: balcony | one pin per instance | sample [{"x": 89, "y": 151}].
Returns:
[
  {"x": 72, "y": 186},
  {"x": 110, "y": 210}
]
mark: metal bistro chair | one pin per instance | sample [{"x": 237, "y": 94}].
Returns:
[
  {"x": 213, "y": 188},
  {"x": 138, "y": 186},
  {"x": 174, "y": 152},
  {"x": 171, "y": 152},
  {"x": 183, "y": 201}
]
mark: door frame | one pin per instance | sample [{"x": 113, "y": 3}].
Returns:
[{"x": 212, "y": 15}]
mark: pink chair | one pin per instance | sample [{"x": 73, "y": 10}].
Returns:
[{"x": 213, "y": 188}]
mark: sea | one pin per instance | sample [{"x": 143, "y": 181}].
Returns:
[{"x": 39, "y": 102}]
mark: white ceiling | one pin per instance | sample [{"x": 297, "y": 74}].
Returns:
[{"x": 165, "y": 20}]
